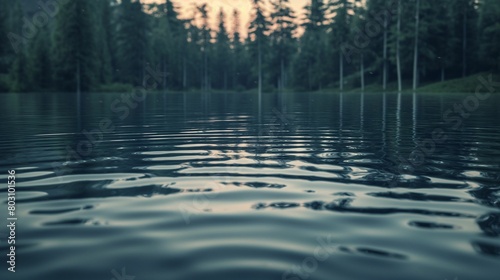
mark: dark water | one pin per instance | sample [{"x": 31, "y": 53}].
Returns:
[{"x": 311, "y": 186}]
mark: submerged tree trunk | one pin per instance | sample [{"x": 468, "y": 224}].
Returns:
[
  {"x": 398, "y": 54},
  {"x": 415, "y": 55}
]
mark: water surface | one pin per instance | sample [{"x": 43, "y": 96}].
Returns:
[{"x": 215, "y": 186}]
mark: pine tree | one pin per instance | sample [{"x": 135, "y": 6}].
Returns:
[
  {"x": 103, "y": 41},
  {"x": 161, "y": 41},
  {"x": 398, "y": 47},
  {"x": 282, "y": 40},
  {"x": 205, "y": 44},
  {"x": 74, "y": 47},
  {"x": 342, "y": 11},
  {"x": 41, "y": 64},
  {"x": 259, "y": 26},
  {"x": 381, "y": 14},
  {"x": 237, "y": 53},
  {"x": 415, "y": 54},
  {"x": 16, "y": 59},
  {"x": 401, "y": 41},
  {"x": 222, "y": 53},
  {"x": 489, "y": 24},
  {"x": 4, "y": 45},
  {"x": 309, "y": 63},
  {"x": 443, "y": 39},
  {"x": 360, "y": 20},
  {"x": 177, "y": 46},
  {"x": 132, "y": 43}
]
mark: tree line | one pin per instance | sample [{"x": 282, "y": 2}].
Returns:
[{"x": 88, "y": 45}]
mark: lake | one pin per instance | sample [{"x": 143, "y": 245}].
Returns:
[{"x": 217, "y": 186}]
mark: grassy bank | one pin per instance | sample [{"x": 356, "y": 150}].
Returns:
[{"x": 468, "y": 84}]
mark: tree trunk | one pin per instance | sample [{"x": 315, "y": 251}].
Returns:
[
  {"x": 464, "y": 40},
  {"x": 398, "y": 54},
  {"x": 164, "y": 76},
  {"x": 415, "y": 55},
  {"x": 260, "y": 70},
  {"x": 362, "y": 72},
  {"x": 225, "y": 80},
  {"x": 205, "y": 73},
  {"x": 184, "y": 74},
  {"x": 309, "y": 74},
  {"x": 282, "y": 79},
  {"x": 384, "y": 82},
  {"x": 341, "y": 71},
  {"x": 78, "y": 77},
  {"x": 144, "y": 73}
]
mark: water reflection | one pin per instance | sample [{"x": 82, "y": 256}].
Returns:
[{"x": 215, "y": 186}]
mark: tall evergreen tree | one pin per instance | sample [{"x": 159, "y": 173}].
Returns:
[
  {"x": 489, "y": 39},
  {"x": 398, "y": 47},
  {"x": 132, "y": 42},
  {"x": 177, "y": 50},
  {"x": 74, "y": 47},
  {"x": 222, "y": 50},
  {"x": 282, "y": 40},
  {"x": 380, "y": 14},
  {"x": 309, "y": 64},
  {"x": 16, "y": 58},
  {"x": 103, "y": 41},
  {"x": 415, "y": 56},
  {"x": 401, "y": 45},
  {"x": 360, "y": 20},
  {"x": 237, "y": 53},
  {"x": 194, "y": 73},
  {"x": 41, "y": 64},
  {"x": 4, "y": 45},
  {"x": 206, "y": 38},
  {"x": 342, "y": 19},
  {"x": 259, "y": 26},
  {"x": 443, "y": 37}
]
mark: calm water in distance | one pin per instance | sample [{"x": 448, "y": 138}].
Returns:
[{"x": 215, "y": 186}]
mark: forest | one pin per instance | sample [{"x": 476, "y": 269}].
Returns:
[{"x": 109, "y": 45}]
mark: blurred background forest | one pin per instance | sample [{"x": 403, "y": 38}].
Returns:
[{"x": 109, "y": 45}]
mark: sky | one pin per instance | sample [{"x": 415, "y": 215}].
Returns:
[{"x": 244, "y": 6}]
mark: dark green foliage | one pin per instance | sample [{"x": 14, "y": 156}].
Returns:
[
  {"x": 282, "y": 43},
  {"x": 257, "y": 39},
  {"x": 41, "y": 64},
  {"x": 221, "y": 62},
  {"x": 132, "y": 42},
  {"x": 4, "y": 46},
  {"x": 110, "y": 45},
  {"x": 74, "y": 50},
  {"x": 104, "y": 43},
  {"x": 309, "y": 70},
  {"x": 489, "y": 37}
]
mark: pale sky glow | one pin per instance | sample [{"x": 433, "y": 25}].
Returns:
[{"x": 244, "y": 6}]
